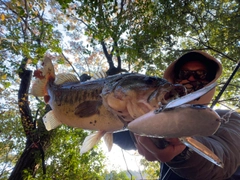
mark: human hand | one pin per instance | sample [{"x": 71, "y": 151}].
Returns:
[{"x": 151, "y": 152}]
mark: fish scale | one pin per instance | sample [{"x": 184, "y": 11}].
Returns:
[{"x": 73, "y": 95}]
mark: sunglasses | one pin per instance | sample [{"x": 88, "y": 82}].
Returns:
[{"x": 198, "y": 74}]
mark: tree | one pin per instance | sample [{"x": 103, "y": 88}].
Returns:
[
  {"x": 114, "y": 175},
  {"x": 151, "y": 169},
  {"x": 143, "y": 36},
  {"x": 26, "y": 34}
]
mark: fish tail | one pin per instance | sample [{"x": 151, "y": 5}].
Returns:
[{"x": 43, "y": 76}]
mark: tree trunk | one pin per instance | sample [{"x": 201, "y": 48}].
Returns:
[{"x": 37, "y": 138}]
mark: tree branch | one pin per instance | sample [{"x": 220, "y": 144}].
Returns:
[
  {"x": 107, "y": 55},
  {"x": 70, "y": 65}
]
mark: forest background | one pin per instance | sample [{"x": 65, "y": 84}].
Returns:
[{"x": 88, "y": 36}]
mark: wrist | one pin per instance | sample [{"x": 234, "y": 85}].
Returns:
[{"x": 184, "y": 155}]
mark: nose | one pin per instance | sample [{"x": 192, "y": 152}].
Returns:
[{"x": 191, "y": 78}]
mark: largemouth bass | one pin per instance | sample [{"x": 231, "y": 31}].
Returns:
[
  {"x": 107, "y": 104},
  {"x": 85, "y": 104}
]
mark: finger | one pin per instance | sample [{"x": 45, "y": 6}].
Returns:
[
  {"x": 163, "y": 155},
  {"x": 173, "y": 141},
  {"x": 148, "y": 144},
  {"x": 144, "y": 152},
  {"x": 149, "y": 150},
  {"x": 170, "y": 152}
]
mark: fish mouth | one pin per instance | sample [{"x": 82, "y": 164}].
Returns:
[{"x": 177, "y": 91}]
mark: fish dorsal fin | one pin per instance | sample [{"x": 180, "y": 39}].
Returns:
[
  {"x": 50, "y": 121},
  {"x": 65, "y": 77},
  {"x": 99, "y": 75},
  {"x": 108, "y": 139},
  {"x": 91, "y": 140}
]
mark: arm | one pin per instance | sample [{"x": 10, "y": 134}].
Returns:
[
  {"x": 147, "y": 147},
  {"x": 224, "y": 143}
]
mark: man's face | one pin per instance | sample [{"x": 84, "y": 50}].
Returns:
[{"x": 193, "y": 76}]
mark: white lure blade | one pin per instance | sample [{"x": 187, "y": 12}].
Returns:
[{"x": 201, "y": 150}]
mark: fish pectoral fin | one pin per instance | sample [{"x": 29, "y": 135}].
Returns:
[
  {"x": 50, "y": 121},
  {"x": 87, "y": 108},
  {"x": 202, "y": 150},
  {"x": 91, "y": 140},
  {"x": 108, "y": 139}
]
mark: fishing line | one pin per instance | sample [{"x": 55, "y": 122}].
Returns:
[
  {"x": 70, "y": 65},
  {"x": 126, "y": 164},
  {"x": 237, "y": 100},
  {"x": 139, "y": 170},
  {"x": 137, "y": 163}
]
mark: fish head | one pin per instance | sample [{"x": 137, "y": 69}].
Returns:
[{"x": 135, "y": 95}]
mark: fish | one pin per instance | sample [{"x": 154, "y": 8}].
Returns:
[
  {"x": 104, "y": 105},
  {"x": 85, "y": 104}
]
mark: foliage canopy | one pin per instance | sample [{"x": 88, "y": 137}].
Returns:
[{"x": 117, "y": 36}]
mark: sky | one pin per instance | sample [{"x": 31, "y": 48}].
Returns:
[{"x": 118, "y": 159}]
